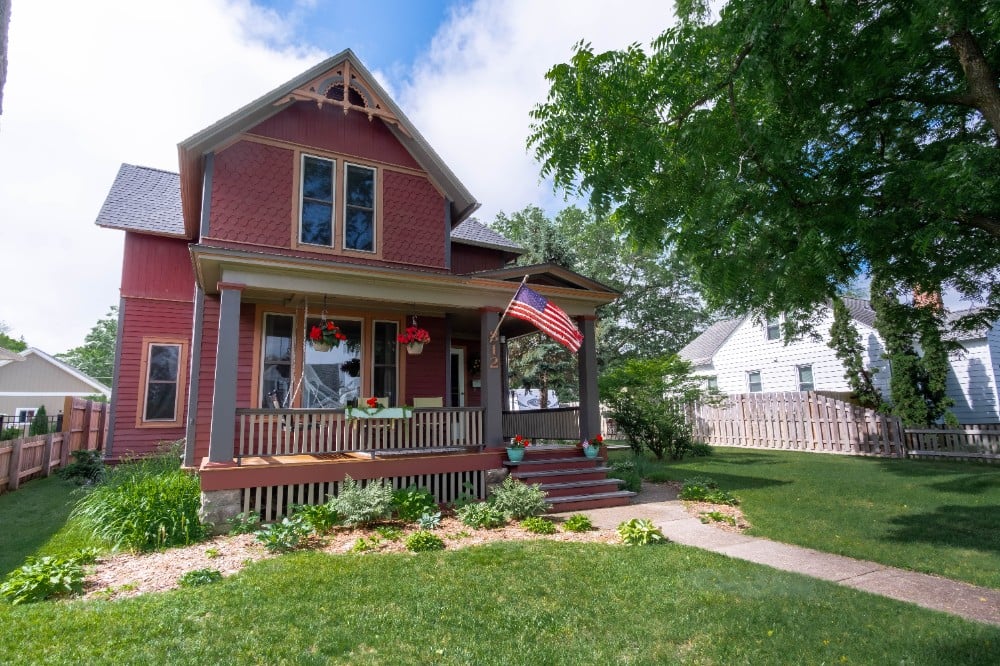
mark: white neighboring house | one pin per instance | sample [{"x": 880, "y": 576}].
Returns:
[
  {"x": 745, "y": 356},
  {"x": 33, "y": 378}
]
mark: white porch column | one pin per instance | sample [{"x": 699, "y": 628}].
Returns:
[
  {"x": 220, "y": 445},
  {"x": 590, "y": 400}
]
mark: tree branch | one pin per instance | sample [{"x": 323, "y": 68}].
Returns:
[{"x": 982, "y": 79}]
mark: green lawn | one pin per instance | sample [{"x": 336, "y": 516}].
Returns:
[
  {"x": 528, "y": 602},
  {"x": 936, "y": 517}
]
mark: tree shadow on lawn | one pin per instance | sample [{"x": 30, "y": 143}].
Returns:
[
  {"x": 30, "y": 517},
  {"x": 974, "y": 528},
  {"x": 732, "y": 482},
  {"x": 954, "y": 476}
]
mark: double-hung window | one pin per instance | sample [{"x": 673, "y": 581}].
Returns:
[
  {"x": 317, "y": 211},
  {"x": 772, "y": 329},
  {"x": 754, "y": 384},
  {"x": 359, "y": 208},
  {"x": 163, "y": 388},
  {"x": 348, "y": 225},
  {"x": 805, "y": 377}
]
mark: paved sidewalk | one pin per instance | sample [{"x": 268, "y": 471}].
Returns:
[{"x": 659, "y": 504}]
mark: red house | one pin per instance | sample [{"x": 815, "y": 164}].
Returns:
[{"x": 320, "y": 204}]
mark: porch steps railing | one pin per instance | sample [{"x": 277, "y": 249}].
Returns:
[
  {"x": 571, "y": 481},
  {"x": 558, "y": 423}
]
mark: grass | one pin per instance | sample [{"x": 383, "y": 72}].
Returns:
[
  {"x": 936, "y": 517},
  {"x": 525, "y": 602}
]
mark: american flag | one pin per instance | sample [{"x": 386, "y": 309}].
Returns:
[{"x": 531, "y": 306}]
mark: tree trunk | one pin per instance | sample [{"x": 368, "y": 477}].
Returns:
[{"x": 982, "y": 79}]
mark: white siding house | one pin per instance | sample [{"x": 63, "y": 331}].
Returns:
[{"x": 746, "y": 356}]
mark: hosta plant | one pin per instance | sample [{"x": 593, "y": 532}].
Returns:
[
  {"x": 517, "y": 500},
  {"x": 43, "y": 578},
  {"x": 199, "y": 577},
  {"x": 422, "y": 540},
  {"x": 578, "y": 522},
  {"x": 481, "y": 515},
  {"x": 538, "y": 525},
  {"x": 640, "y": 532}
]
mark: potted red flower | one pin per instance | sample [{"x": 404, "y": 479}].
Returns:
[
  {"x": 414, "y": 338},
  {"x": 515, "y": 450},
  {"x": 325, "y": 335},
  {"x": 593, "y": 447}
]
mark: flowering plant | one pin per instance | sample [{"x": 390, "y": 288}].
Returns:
[
  {"x": 414, "y": 334},
  {"x": 326, "y": 332},
  {"x": 518, "y": 442},
  {"x": 372, "y": 402},
  {"x": 597, "y": 442}
]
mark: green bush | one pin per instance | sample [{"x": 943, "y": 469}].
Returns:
[
  {"x": 244, "y": 523},
  {"x": 43, "y": 578},
  {"x": 410, "y": 503},
  {"x": 702, "y": 489},
  {"x": 87, "y": 467},
  {"x": 144, "y": 505},
  {"x": 284, "y": 536},
  {"x": 362, "y": 506},
  {"x": 538, "y": 525},
  {"x": 631, "y": 470},
  {"x": 578, "y": 522},
  {"x": 389, "y": 532},
  {"x": 517, "y": 500},
  {"x": 640, "y": 532},
  {"x": 701, "y": 450},
  {"x": 481, "y": 515},
  {"x": 422, "y": 540},
  {"x": 319, "y": 518},
  {"x": 40, "y": 423},
  {"x": 11, "y": 433},
  {"x": 200, "y": 577},
  {"x": 429, "y": 521}
]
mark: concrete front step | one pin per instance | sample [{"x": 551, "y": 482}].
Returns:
[
  {"x": 590, "y": 501},
  {"x": 561, "y": 475},
  {"x": 537, "y": 465},
  {"x": 564, "y": 489}
]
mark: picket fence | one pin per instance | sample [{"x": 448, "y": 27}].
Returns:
[{"x": 85, "y": 425}]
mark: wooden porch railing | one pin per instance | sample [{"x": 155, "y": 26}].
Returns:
[
  {"x": 281, "y": 432},
  {"x": 558, "y": 423}
]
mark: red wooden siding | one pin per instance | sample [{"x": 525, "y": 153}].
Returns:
[
  {"x": 413, "y": 220},
  {"x": 157, "y": 267},
  {"x": 329, "y": 129},
  {"x": 425, "y": 373},
  {"x": 252, "y": 193},
  {"x": 143, "y": 317},
  {"x": 469, "y": 259}
]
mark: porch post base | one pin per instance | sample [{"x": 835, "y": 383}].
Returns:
[
  {"x": 217, "y": 507},
  {"x": 495, "y": 477}
]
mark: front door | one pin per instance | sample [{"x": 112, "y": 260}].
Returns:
[{"x": 457, "y": 377}]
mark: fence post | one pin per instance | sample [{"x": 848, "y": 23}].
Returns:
[
  {"x": 85, "y": 433},
  {"x": 14, "y": 474},
  {"x": 47, "y": 453}
]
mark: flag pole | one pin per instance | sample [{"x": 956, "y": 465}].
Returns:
[{"x": 493, "y": 335}]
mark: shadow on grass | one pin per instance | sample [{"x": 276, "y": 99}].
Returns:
[
  {"x": 974, "y": 528},
  {"x": 730, "y": 482},
  {"x": 30, "y": 517},
  {"x": 953, "y": 476}
]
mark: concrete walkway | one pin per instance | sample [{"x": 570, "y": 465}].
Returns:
[{"x": 659, "y": 504}]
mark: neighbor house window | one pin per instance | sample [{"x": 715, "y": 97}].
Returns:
[
  {"x": 753, "y": 381},
  {"x": 163, "y": 371},
  {"x": 805, "y": 377},
  {"x": 773, "y": 329},
  {"x": 316, "y": 212},
  {"x": 712, "y": 384},
  {"x": 384, "y": 373},
  {"x": 276, "y": 364},
  {"x": 359, "y": 208}
]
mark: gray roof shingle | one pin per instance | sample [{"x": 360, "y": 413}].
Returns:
[
  {"x": 701, "y": 350},
  {"x": 471, "y": 232},
  {"x": 144, "y": 200}
]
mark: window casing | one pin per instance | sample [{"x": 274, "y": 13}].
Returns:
[
  {"x": 164, "y": 373},
  {"x": 805, "y": 373},
  {"x": 754, "y": 384},
  {"x": 316, "y": 210},
  {"x": 385, "y": 365},
  {"x": 712, "y": 384},
  {"x": 359, "y": 208},
  {"x": 350, "y": 224},
  {"x": 772, "y": 329},
  {"x": 276, "y": 361}
]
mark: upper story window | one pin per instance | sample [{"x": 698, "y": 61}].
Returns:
[
  {"x": 338, "y": 206},
  {"x": 754, "y": 384},
  {"x": 805, "y": 377},
  {"x": 359, "y": 208},
  {"x": 316, "y": 223},
  {"x": 772, "y": 329}
]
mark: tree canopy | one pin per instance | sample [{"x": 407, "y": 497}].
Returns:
[
  {"x": 96, "y": 356},
  {"x": 9, "y": 343},
  {"x": 785, "y": 148}
]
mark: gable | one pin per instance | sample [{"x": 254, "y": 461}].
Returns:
[{"x": 41, "y": 373}]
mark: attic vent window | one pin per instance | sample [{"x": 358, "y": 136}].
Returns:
[{"x": 336, "y": 93}]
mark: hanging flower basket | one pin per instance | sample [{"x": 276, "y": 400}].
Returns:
[
  {"x": 325, "y": 336},
  {"x": 414, "y": 338},
  {"x": 414, "y": 348}
]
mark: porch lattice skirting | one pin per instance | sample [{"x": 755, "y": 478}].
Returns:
[{"x": 272, "y": 503}]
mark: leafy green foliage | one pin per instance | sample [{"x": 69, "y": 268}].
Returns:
[
  {"x": 429, "y": 521},
  {"x": 706, "y": 490},
  {"x": 640, "y": 532},
  {"x": 244, "y": 523},
  {"x": 367, "y": 544},
  {"x": 43, "y": 578},
  {"x": 422, "y": 540},
  {"x": 11, "y": 433},
  {"x": 408, "y": 504},
  {"x": 320, "y": 518},
  {"x": 359, "y": 505},
  {"x": 96, "y": 356},
  {"x": 87, "y": 467},
  {"x": 389, "y": 532},
  {"x": 578, "y": 522},
  {"x": 144, "y": 505},
  {"x": 718, "y": 517},
  {"x": 39, "y": 423},
  {"x": 199, "y": 577},
  {"x": 629, "y": 470},
  {"x": 284, "y": 536},
  {"x": 783, "y": 153},
  {"x": 481, "y": 515},
  {"x": 701, "y": 449},
  {"x": 517, "y": 500},
  {"x": 9, "y": 343},
  {"x": 538, "y": 525},
  {"x": 846, "y": 344}
]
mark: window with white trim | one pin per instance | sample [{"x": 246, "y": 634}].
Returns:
[
  {"x": 754, "y": 384},
  {"x": 712, "y": 384},
  {"x": 316, "y": 212},
  {"x": 359, "y": 208},
  {"x": 805, "y": 377},
  {"x": 772, "y": 329}
]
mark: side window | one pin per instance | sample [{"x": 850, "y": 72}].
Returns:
[
  {"x": 805, "y": 377},
  {"x": 753, "y": 381},
  {"x": 316, "y": 211},
  {"x": 359, "y": 208},
  {"x": 712, "y": 384},
  {"x": 164, "y": 364},
  {"x": 773, "y": 329}
]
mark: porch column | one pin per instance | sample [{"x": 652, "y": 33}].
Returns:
[
  {"x": 220, "y": 445},
  {"x": 590, "y": 401},
  {"x": 492, "y": 391}
]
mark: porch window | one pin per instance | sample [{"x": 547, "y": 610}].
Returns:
[
  {"x": 316, "y": 211},
  {"x": 163, "y": 369},
  {"x": 384, "y": 366},
  {"x": 332, "y": 379},
  {"x": 805, "y": 377},
  {"x": 276, "y": 369},
  {"x": 359, "y": 208},
  {"x": 754, "y": 384}
]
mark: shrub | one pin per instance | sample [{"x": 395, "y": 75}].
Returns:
[
  {"x": 422, "y": 540},
  {"x": 199, "y": 577},
  {"x": 481, "y": 515},
  {"x": 717, "y": 516},
  {"x": 87, "y": 467},
  {"x": 640, "y": 532},
  {"x": 466, "y": 497},
  {"x": 702, "y": 489},
  {"x": 362, "y": 506},
  {"x": 319, "y": 518},
  {"x": 144, "y": 505},
  {"x": 701, "y": 450},
  {"x": 40, "y": 423},
  {"x": 538, "y": 525},
  {"x": 410, "y": 503},
  {"x": 631, "y": 470},
  {"x": 389, "y": 533},
  {"x": 284, "y": 536},
  {"x": 366, "y": 544},
  {"x": 244, "y": 523},
  {"x": 578, "y": 523},
  {"x": 43, "y": 578},
  {"x": 10, "y": 433},
  {"x": 429, "y": 521},
  {"x": 518, "y": 500}
]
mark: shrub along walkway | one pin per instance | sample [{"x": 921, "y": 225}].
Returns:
[{"x": 659, "y": 504}]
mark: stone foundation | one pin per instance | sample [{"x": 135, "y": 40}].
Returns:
[{"x": 217, "y": 507}]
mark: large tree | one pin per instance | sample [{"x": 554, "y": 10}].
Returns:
[
  {"x": 785, "y": 148},
  {"x": 9, "y": 343},
  {"x": 96, "y": 356}
]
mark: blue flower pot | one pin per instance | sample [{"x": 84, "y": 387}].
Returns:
[
  {"x": 515, "y": 455},
  {"x": 591, "y": 451}
]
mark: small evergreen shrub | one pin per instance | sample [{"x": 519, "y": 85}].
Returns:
[
  {"x": 703, "y": 489},
  {"x": 87, "y": 468},
  {"x": 200, "y": 577},
  {"x": 517, "y": 500},
  {"x": 319, "y": 518},
  {"x": 640, "y": 532},
  {"x": 244, "y": 523},
  {"x": 43, "y": 578},
  {"x": 408, "y": 504},
  {"x": 481, "y": 515},
  {"x": 538, "y": 525},
  {"x": 429, "y": 521},
  {"x": 422, "y": 540},
  {"x": 284, "y": 536},
  {"x": 39, "y": 424},
  {"x": 362, "y": 506},
  {"x": 11, "y": 433},
  {"x": 578, "y": 522}
]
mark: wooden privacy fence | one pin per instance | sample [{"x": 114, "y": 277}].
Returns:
[
  {"x": 85, "y": 424},
  {"x": 558, "y": 423},
  {"x": 800, "y": 421},
  {"x": 966, "y": 442}
]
